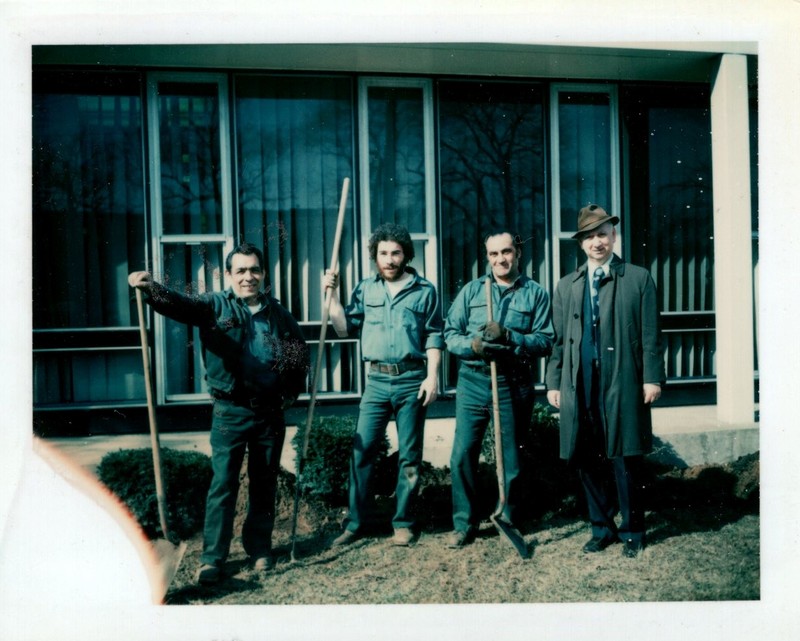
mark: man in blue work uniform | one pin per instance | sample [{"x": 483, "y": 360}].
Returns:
[
  {"x": 256, "y": 365},
  {"x": 397, "y": 314},
  {"x": 521, "y": 332}
]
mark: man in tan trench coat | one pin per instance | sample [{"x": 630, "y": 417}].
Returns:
[{"x": 605, "y": 371}]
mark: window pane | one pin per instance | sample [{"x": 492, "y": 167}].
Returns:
[
  {"x": 190, "y": 269},
  {"x": 190, "y": 158},
  {"x": 584, "y": 146},
  {"x": 491, "y": 150},
  {"x": 294, "y": 148},
  {"x": 571, "y": 256},
  {"x": 671, "y": 211},
  {"x": 88, "y": 377},
  {"x": 88, "y": 198},
  {"x": 671, "y": 198},
  {"x": 397, "y": 157}
]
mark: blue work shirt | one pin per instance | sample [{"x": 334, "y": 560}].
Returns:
[
  {"x": 399, "y": 328},
  {"x": 523, "y": 308}
]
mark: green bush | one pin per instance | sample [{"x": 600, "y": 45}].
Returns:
[
  {"x": 187, "y": 476},
  {"x": 326, "y": 469},
  {"x": 541, "y": 420}
]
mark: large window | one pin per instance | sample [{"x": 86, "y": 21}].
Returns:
[
  {"x": 294, "y": 147},
  {"x": 88, "y": 231},
  {"x": 491, "y": 149},
  {"x": 668, "y": 136},
  {"x": 261, "y": 157}
]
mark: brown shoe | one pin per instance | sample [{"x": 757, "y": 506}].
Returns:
[
  {"x": 458, "y": 539},
  {"x": 345, "y": 538},
  {"x": 403, "y": 537},
  {"x": 264, "y": 563}
]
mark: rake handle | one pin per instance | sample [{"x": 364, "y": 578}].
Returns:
[{"x": 318, "y": 366}]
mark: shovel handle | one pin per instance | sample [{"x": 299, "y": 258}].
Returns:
[
  {"x": 498, "y": 432},
  {"x": 151, "y": 416}
]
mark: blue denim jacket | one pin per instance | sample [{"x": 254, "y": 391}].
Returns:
[
  {"x": 226, "y": 327},
  {"x": 522, "y": 308},
  {"x": 399, "y": 328}
]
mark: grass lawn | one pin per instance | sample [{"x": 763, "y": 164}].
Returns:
[{"x": 703, "y": 546}]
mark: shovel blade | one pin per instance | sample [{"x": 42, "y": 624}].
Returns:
[
  {"x": 513, "y": 536},
  {"x": 168, "y": 558}
]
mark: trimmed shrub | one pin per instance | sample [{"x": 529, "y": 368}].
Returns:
[
  {"x": 326, "y": 469},
  {"x": 542, "y": 420},
  {"x": 187, "y": 476}
]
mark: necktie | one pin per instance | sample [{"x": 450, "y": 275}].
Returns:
[{"x": 595, "y": 292}]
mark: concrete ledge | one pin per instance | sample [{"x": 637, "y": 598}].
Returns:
[
  {"x": 684, "y": 436},
  {"x": 692, "y": 435}
]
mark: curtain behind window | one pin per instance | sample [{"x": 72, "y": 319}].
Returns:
[
  {"x": 671, "y": 210},
  {"x": 88, "y": 234},
  {"x": 294, "y": 148},
  {"x": 88, "y": 198}
]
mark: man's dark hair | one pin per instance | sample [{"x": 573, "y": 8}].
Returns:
[
  {"x": 246, "y": 249},
  {"x": 395, "y": 233},
  {"x": 504, "y": 230}
]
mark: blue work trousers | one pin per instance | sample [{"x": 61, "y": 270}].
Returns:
[
  {"x": 474, "y": 411},
  {"x": 385, "y": 396},
  {"x": 234, "y": 430}
]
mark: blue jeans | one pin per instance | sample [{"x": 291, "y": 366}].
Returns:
[
  {"x": 234, "y": 430},
  {"x": 474, "y": 411},
  {"x": 386, "y": 395}
]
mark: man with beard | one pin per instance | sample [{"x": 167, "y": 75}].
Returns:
[
  {"x": 521, "y": 333},
  {"x": 605, "y": 372},
  {"x": 396, "y": 313}
]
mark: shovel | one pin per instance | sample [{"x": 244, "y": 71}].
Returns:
[
  {"x": 301, "y": 459},
  {"x": 168, "y": 554},
  {"x": 509, "y": 532}
]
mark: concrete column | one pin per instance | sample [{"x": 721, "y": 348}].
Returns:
[{"x": 733, "y": 261}]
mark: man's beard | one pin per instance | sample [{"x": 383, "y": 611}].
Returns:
[{"x": 401, "y": 269}]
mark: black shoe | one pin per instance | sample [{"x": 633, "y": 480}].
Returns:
[
  {"x": 459, "y": 538},
  {"x": 208, "y": 574},
  {"x": 631, "y": 548},
  {"x": 597, "y": 544}
]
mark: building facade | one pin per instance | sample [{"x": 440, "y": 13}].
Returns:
[{"x": 164, "y": 157}]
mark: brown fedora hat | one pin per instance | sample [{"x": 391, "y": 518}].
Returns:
[{"x": 591, "y": 217}]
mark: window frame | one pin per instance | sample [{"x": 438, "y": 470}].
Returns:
[
  {"x": 615, "y": 206},
  {"x": 158, "y": 240}
]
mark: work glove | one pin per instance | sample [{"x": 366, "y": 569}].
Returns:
[
  {"x": 478, "y": 346},
  {"x": 494, "y": 332},
  {"x": 488, "y": 350}
]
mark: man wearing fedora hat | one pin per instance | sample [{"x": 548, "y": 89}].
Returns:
[{"x": 605, "y": 371}]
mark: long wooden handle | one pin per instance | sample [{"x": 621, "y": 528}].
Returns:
[
  {"x": 498, "y": 432},
  {"x": 325, "y": 315},
  {"x": 151, "y": 415}
]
